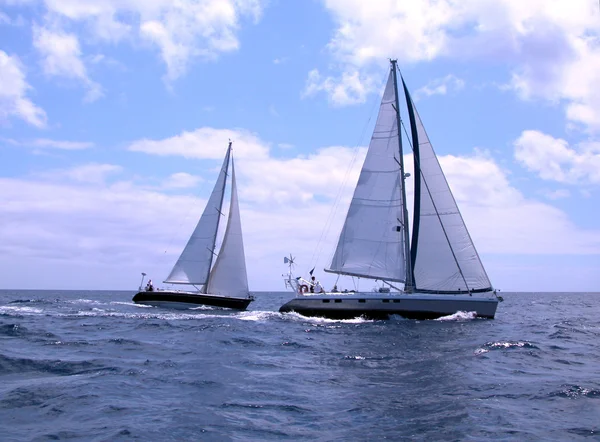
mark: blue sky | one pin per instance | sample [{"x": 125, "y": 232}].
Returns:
[{"x": 115, "y": 116}]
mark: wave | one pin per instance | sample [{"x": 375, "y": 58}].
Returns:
[
  {"x": 13, "y": 365},
  {"x": 576, "y": 391},
  {"x": 257, "y": 315},
  {"x": 504, "y": 345},
  {"x": 11, "y": 310},
  {"x": 459, "y": 316},
  {"x": 320, "y": 320}
]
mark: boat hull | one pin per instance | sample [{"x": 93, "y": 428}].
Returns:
[
  {"x": 413, "y": 306},
  {"x": 176, "y": 299}
]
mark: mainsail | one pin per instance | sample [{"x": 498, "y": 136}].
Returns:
[
  {"x": 371, "y": 243},
  {"x": 228, "y": 275},
  {"x": 443, "y": 255},
  {"x": 193, "y": 266}
]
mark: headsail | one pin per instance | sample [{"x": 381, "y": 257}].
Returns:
[
  {"x": 228, "y": 275},
  {"x": 193, "y": 266},
  {"x": 444, "y": 257},
  {"x": 371, "y": 244}
]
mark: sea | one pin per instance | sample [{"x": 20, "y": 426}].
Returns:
[{"x": 93, "y": 366}]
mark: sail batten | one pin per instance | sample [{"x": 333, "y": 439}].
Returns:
[{"x": 371, "y": 243}]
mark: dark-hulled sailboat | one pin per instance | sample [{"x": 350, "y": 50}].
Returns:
[
  {"x": 440, "y": 268},
  {"x": 224, "y": 284}
]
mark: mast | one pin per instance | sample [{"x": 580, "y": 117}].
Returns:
[
  {"x": 409, "y": 285},
  {"x": 220, "y": 210}
]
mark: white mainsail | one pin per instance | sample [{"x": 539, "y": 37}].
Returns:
[
  {"x": 193, "y": 265},
  {"x": 229, "y": 276},
  {"x": 444, "y": 256},
  {"x": 371, "y": 243}
]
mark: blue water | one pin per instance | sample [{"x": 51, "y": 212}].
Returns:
[{"x": 84, "y": 365}]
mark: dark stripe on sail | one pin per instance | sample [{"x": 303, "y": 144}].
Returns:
[{"x": 417, "y": 179}]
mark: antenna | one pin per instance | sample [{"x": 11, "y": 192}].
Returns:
[{"x": 142, "y": 282}]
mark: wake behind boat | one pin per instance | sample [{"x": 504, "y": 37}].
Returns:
[
  {"x": 439, "y": 268},
  {"x": 224, "y": 284}
]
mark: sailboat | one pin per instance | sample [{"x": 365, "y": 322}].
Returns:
[
  {"x": 439, "y": 267},
  {"x": 224, "y": 284}
]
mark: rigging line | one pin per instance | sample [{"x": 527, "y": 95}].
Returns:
[{"x": 333, "y": 210}]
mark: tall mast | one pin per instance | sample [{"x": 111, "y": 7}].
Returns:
[{"x": 409, "y": 285}]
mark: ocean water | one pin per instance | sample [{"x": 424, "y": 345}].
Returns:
[{"x": 93, "y": 366}]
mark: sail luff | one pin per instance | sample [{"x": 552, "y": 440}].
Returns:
[{"x": 409, "y": 284}]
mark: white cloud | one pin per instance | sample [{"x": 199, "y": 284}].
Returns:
[
  {"x": 294, "y": 187},
  {"x": 53, "y": 144},
  {"x": 440, "y": 86},
  {"x": 502, "y": 220},
  {"x": 182, "y": 180},
  {"x": 556, "y": 194},
  {"x": 204, "y": 143},
  {"x": 92, "y": 173},
  {"x": 60, "y": 144},
  {"x": 181, "y": 30},
  {"x": 61, "y": 57},
  {"x": 286, "y": 207},
  {"x": 13, "y": 93},
  {"x": 551, "y": 47},
  {"x": 350, "y": 88},
  {"x": 554, "y": 160}
]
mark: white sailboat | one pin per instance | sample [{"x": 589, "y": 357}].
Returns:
[
  {"x": 439, "y": 267},
  {"x": 224, "y": 280}
]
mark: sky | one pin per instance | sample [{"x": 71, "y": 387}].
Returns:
[{"x": 115, "y": 116}]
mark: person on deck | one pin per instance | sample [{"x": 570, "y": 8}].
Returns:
[
  {"x": 149, "y": 286},
  {"x": 319, "y": 288},
  {"x": 312, "y": 284}
]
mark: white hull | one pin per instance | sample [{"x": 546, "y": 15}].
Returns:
[{"x": 376, "y": 305}]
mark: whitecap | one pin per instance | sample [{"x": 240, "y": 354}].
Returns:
[
  {"x": 320, "y": 320},
  {"x": 14, "y": 309},
  {"x": 458, "y": 316}
]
